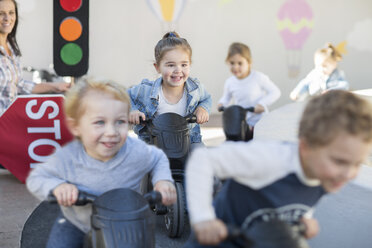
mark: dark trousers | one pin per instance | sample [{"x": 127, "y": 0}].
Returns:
[{"x": 65, "y": 234}]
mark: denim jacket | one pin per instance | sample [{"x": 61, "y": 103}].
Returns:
[
  {"x": 315, "y": 83},
  {"x": 145, "y": 98}
]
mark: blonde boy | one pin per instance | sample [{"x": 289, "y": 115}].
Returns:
[
  {"x": 277, "y": 179},
  {"x": 101, "y": 158}
]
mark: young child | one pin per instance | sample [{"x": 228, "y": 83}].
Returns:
[
  {"x": 173, "y": 92},
  {"x": 278, "y": 179},
  {"x": 325, "y": 76},
  {"x": 247, "y": 87},
  {"x": 101, "y": 158}
]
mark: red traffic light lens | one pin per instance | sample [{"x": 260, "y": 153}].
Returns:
[{"x": 70, "y": 5}]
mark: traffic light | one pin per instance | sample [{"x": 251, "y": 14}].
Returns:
[{"x": 71, "y": 37}]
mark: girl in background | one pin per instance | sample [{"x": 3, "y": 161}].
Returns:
[
  {"x": 325, "y": 75},
  {"x": 247, "y": 87}
]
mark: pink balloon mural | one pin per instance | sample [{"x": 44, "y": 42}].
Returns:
[{"x": 295, "y": 23}]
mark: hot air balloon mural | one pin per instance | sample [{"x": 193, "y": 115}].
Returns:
[
  {"x": 168, "y": 11},
  {"x": 295, "y": 23}
]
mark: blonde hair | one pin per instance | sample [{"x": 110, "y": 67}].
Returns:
[
  {"x": 170, "y": 41},
  {"x": 332, "y": 113},
  {"x": 329, "y": 52},
  {"x": 75, "y": 96},
  {"x": 241, "y": 49}
]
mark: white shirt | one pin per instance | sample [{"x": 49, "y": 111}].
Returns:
[
  {"x": 255, "y": 164},
  {"x": 255, "y": 89},
  {"x": 166, "y": 107}
]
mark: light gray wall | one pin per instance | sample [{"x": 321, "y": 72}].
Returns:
[{"x": 123, "y": 34}]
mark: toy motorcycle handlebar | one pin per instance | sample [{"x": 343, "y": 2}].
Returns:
[
  {"x": 299, "y": 227},
  {"x": 83, "y": 198},
  {"x": 191, "y": 118},
  {"x": 249, "y": 109},
  {"x": 152, "y": 197},
  {"x": 42, "y": 75},
  {"x": 234, "y": 232},
  {"x": 272, "y": 234},
  {"x": 284, "y": 235}
]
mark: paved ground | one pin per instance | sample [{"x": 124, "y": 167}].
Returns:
[
  {"x": 16, "y": 203},
  {"x": 345, "y": 217},
  {"x": 15, "y": 206}
]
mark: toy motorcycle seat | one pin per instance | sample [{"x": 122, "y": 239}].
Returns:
[
  {"x": 171, "y": 134},
  {"x": 122, "y": 218}
]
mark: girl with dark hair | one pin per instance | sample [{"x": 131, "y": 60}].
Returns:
[{"x": 174, "y": 91}]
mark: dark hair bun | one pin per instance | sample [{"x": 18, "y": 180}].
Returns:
[{"x": 171, "y": 34}]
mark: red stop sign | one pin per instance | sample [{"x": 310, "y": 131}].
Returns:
[{"x": 30, "y": 130}]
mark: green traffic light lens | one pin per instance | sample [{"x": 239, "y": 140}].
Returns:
[{"x": 71, "y": 54}]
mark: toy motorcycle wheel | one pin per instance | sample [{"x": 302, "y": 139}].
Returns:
[{"x": 176, "y": 217}]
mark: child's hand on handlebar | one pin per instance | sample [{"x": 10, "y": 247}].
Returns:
[
  {"x": 66, "y": 194},
  {"x": 210, "y": 232},
  {"x": 134, "y": 117},
  {"x": 311, "y": 227},
  {"x": 259, "y": 109},
  {"x": 202, "y": 115},
  {"x": 167, "y": 191}
]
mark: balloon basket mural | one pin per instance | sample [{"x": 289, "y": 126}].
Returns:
[
  {"x": 293, "y": 58},
  {"x": 295, "y": 23}
]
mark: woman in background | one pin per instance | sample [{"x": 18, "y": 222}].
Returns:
[{"x": 11, "y": 81}]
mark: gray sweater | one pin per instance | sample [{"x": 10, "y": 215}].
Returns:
[{"x": 73, "y": 165}]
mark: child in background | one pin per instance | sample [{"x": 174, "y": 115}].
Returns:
[
  {"x": 247, "y": 87},
  {"x": 101, "y": 158},
  {"x": 279, "y": 179},
  {"x": 173, "y": 92},
  {"x": 325, "y": 76}
]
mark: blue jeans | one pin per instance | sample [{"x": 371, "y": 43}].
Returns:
[{"x": 65, "y": 234}]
